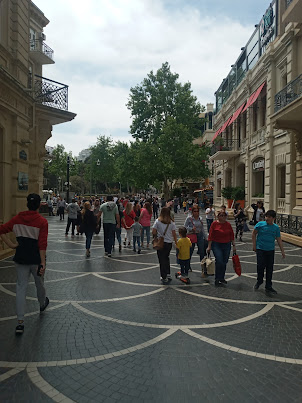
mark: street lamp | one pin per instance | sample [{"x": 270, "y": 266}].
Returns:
[{"x": 98, "y": 163}]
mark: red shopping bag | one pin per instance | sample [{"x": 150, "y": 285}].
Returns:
[{"x": 236, "y": 264}]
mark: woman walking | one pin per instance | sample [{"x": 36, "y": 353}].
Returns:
[
  {"x": 165, "y": 227},
  {"x": 61, "y": 208},
  {"x": 88, "y": 225},
  {"x": 220, "y": 238},
  {"x": 196, "y": 233},
  {"x": 240, "y": 218},
  {"x": 145, "y": 221},
  {"x": 137, "y": 208},
  {"x": 127, "y": 222}
]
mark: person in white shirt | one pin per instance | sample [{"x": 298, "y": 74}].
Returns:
[
  {"x": 165, "y": 227},
  {"x": 210, "y": 216}
]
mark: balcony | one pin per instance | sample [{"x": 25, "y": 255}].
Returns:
[
  {"x": 40, "y": 52},
  {"x": 289, "y": 94},
  {"x": 225, "y": 149},
  {"x": 50, "y": 93},
  {"x": 288, "y": 106}
]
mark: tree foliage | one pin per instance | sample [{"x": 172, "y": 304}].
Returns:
[{"x": 165, "y": 121}]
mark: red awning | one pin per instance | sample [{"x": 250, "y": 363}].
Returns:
[
  {"x": 216, "y": 134},
  {"x": 253, "y": 97},
  {"x": 257, "y": 93},
  {"x": 226, "y": 123},
  {"x": 236, "y": 114}
]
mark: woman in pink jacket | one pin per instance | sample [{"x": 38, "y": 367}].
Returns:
[{"x": 145, "y": 221}]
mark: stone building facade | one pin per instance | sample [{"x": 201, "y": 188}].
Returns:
[
  {"x": 258, "y": 135},
  {"x": 29, "y": 103}
]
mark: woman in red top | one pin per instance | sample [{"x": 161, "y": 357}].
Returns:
[
  {"x": 127, "y": 222},
  {"x": 145, "y": 221},
  {"x": 220, "y": 238}
]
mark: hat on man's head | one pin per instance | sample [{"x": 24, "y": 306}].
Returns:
[
  {"x": 34, "y": 197},
  {"x": 33, "y": 201}
]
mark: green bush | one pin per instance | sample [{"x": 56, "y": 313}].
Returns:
[
  {"x": 238, "y": 193},
  {"x": 227, "y": 192}
]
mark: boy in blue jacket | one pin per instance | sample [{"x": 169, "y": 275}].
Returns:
[{"x": 264, "y": 235}]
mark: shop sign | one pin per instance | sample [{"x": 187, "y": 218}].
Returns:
[
  {"x": 267, "y": 27},
  {"x": 23, "y": 155},
  {"x": 258, "y": 165}
]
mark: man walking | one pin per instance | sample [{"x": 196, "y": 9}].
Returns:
[
  {"x": 50, "y": 207},
  {"x": 31, "y": 230},
  {"x": 72, "y": 210},
  {"x": 264, "y": 235},
  {"x": 111, "y": 220}
]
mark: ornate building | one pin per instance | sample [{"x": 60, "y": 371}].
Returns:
[
  {"x": 257, "y": 141},
  {"x": 30, "y": 104}
]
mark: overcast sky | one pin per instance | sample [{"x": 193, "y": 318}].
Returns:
[{"x": 104, "y": 47}]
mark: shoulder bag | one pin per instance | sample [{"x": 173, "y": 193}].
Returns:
[{"x": 158, "y": 243}]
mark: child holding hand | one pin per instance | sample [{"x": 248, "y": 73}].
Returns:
[{"x": 183, "y": 246}]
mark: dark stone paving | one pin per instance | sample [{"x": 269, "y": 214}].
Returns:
[{"x": 117, "y": 335}]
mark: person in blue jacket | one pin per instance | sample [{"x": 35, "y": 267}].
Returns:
[{"x": 264, "y": 235}]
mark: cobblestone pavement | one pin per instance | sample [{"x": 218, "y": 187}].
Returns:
[{"x": 113, "y": 333}]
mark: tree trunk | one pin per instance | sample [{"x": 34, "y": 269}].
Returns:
[{"x": 166, "y": 190}]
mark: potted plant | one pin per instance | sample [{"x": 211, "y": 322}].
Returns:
[
  {"x": 238, "y": 194},
  {"x": 227, "y": 194}
]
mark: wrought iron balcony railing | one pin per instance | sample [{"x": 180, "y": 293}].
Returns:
[
  {"x": 290, "y": 224},
  {"x": 222, "y": 144},
  {"x": 51, "y": 93},
  {"x": 39, "y": 45},
  {"x": 292, "y": 91},
  {"x": 288, "y": 3}
]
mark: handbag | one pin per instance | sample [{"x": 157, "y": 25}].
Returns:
[
  {"x": 193, "y": 236},
  {"x": 209, "y": 263},
  {"x": 236, "y": 264},
  {"x": 158, "y": 243}
]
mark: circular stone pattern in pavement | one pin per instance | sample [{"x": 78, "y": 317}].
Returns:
[{"x": 114, "y": 313}]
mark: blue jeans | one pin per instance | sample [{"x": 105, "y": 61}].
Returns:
[
  {"x": 265, "y": 261},
  {"x": 200, "y": 246},
  {"x": 222, "y": 253},
  {"x": 89, "y": 236},
  {"x": 138, "y": 240},
  {"x": 184, "y": 266},
  {"x": 109, "y": 231},
  {"x": 118, "y": 233},
  {"x": 209, "y": 223},
  {"x": 147, "y": 229}
]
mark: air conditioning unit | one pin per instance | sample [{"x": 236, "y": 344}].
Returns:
[{"x": 42, "y": 36}]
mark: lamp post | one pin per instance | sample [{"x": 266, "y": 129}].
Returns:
[
  {"x": 68, "y": 167},
  {"x": 98, "y": 163},
  {"x": 59, "y": 182}
]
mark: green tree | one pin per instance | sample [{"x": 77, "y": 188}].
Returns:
[
  {"x": 101, "y": 162},
  {"x": 159, "y": 97},
  {"x": 165, "y": 121}
]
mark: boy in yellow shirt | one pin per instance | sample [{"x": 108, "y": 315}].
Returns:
[{"x": 183, "y": 246}]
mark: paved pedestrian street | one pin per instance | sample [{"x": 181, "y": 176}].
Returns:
[{"x": 113, "y": 333}]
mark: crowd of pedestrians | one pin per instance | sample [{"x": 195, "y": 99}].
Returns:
[{"x": 113, "y": 213}]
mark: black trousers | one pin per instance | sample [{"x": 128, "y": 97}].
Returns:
[
  {"x": 265, "y": 261},
  {"x": 164, "y": 260},
  {"x": 109, "y": 233},
  {"x": 71, "y": 221}
]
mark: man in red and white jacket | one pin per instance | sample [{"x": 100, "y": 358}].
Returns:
[{"x": 31, "y": 230}]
